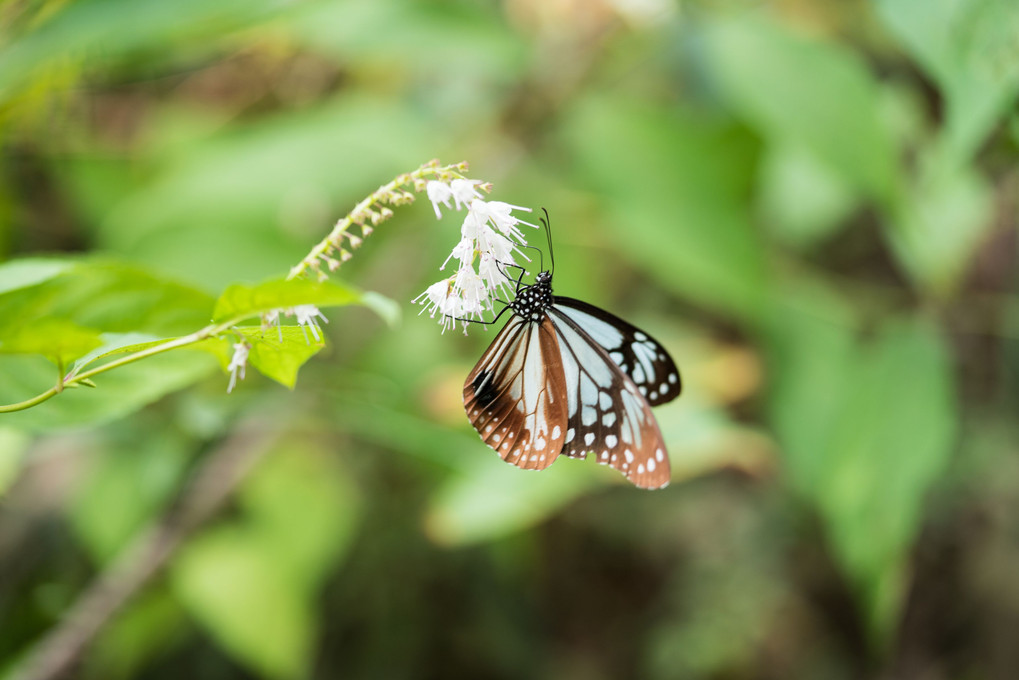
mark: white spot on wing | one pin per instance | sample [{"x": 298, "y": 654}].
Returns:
[
  {"x": 611, "y": 441},
  {"x": 589, "y": 438}
]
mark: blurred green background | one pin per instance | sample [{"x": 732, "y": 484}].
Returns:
[{"x": 811, "y": 203}]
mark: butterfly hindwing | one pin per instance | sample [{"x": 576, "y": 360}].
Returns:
[
  {"x": 637, "y": 354},
  {"x": 607, "y": 414},
  {"x": 515, "y": 396}
]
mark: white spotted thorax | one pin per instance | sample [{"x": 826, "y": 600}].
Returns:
[{"x": 533, "y": 300}]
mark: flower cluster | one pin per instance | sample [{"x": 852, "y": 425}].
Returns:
[{"x": 489, "y": 241}]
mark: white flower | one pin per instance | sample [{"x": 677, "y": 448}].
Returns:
[
  {"x": 499, "y": 214},
  {"x": 495, "y": 278},
  {"x": 307, "y": 317},
  {"x": 463, "y": 191},
  {"x": 439, "y": 192},
  {"x": 473, "y": 291},
  {"x": 237, "y": 363},
  {"x": 489, "y": 235},
  {"x": 439, "y": 298}
]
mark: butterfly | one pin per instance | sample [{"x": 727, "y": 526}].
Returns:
[{"x": 564, "y": 377}]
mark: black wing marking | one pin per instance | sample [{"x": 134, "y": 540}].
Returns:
[
  {"x": 515, "y": 396},
  {"x": 608, "y": 415},
  {"x": 637, "y": 354}
]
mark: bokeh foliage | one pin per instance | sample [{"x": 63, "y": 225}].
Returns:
[{"x": 813, "y": 204}]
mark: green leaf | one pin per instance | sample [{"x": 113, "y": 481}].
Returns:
[
  {"x": 240, "y": 593},
  {"x": 809, "y": 95},
  {"x": 30, "y": 272},
  {"x": 55, "y": 338},
  {"x": 969, "y": 48},
  {"x": 690, "y": 225},
  {"x": 107, "y": 296},
  {"x": 866, "y": 429},
  {"x": 242, "y": 300},
  {"x": 281, "y": 359}
]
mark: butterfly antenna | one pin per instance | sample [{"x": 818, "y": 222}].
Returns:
[{"x": 546, "y": 220}]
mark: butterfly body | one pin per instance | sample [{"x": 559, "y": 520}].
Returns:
[{"x": 566, "y": 378}]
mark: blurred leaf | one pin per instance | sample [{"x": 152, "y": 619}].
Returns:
[
  {"x": 492, "y": 499},
  {"x": 866, "y": 431},
  {"x": 305, "y": 507},
  {"x": 114, "y": 29},
  {"x": 13, "y": 446},
  {"x": 422, "y": 36},
  {"x": 970, "y": 48},
  {"x": 253, "y": 584},
  {"x": 151, "y": 622},
  {"x": 808, "y": 95},
  {"x": 240, "y": 592},
  {"x": 29, "y": 272},
  {"x": 117, "y": 394},
  {"x": 248, "y": 202},
  {"x": 802, "y": 201},
  {"x": 54, "y": 338},
  {"x": 124, "y": 489},
  {"x": 937, "y": 230},
  {"x": 676, "y": 185}
]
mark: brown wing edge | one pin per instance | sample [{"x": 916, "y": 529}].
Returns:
[{"x": 502, "y": 425}]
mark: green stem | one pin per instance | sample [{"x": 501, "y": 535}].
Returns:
[
  {"x": 384, "y": 194},
  {"x": 74, "y": 380}
]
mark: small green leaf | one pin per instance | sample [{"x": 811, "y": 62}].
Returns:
[
  {"x": 281, "y": 359},
  {"x": 55, "y": 338},
  {"x": 242, "y": 300}
]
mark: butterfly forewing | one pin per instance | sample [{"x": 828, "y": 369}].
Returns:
[
  {"x": 637, "y": 354},
  {"x": 515, "y": 396},
  {"x": 608, "y": 415}
]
